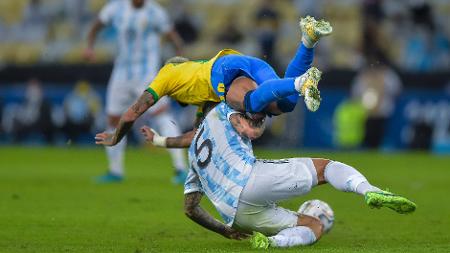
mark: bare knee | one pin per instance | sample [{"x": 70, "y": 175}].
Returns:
[
  {"x": 320, "y": 164},
  {"x": 113, "y": 120},
  {"x": 311, "y": 222}
]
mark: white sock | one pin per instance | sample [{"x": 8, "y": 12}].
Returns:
[
  {"x": 294, "y": 236},
  {"x": 346, "y": 178},
  {"x": 115, "y": 156},
  {"x": 298, "y": 83},
  {"x": 307, "y": 42}
]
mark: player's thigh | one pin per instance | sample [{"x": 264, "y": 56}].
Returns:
[
  {"x": 275, "y": 180},
  {"x": 261, "y": 71},
  {"x": 119, "y": 97},
  {"x": 268, "y": 220},
  {"x": 166, "y": 124}
]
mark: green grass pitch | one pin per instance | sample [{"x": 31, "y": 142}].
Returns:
[{"x": 49, "y": 203}]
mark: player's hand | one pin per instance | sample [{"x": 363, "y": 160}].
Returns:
[
  {"x": 233, "y": 234},
  {"x": 148, "y": 133},
  {"x": 106, "y": 139},
  {"x": 89, "y": 54},
  {"x": 152, "y": 136}
]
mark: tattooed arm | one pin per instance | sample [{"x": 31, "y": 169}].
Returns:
[
  {"x": 193, "y": 210},
  {"x": 182, "y": 141},
  {"x": 126, "y": 121}
]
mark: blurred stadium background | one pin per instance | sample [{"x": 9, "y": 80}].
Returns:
[{"x": 386, "y": 87}]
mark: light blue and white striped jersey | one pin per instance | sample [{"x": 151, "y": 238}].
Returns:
[
  {"x": 138, "y": 32},
  {"x": 221, "y": 162}
]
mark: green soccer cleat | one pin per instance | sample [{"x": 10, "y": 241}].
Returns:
[
  {"x": 313, "y": 30},
  {"x": 387, "y": 199},
  {"x": 306, "y": 85},
  {"x": 259, "y": 241}
]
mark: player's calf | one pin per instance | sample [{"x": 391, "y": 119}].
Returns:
[{"x": 346, "y": 178}]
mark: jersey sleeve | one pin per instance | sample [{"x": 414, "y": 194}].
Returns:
[
  {"x": 159, "y": 87},
  {"x": 164, "y": 25},
  {"x": 107, "y": 13},
  {"x": 192, "y": 183}
]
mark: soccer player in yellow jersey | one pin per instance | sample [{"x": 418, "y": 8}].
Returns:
[{"x": 246, "y": 83}]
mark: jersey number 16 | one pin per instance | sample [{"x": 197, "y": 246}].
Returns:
[{"x": 206, "y": 144}]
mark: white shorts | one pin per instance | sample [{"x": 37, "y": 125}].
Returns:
[
  {"x": 270, "y": 182},
  {"x": 120, "y": 95}
]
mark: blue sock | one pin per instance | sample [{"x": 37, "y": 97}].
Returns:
[
  {"x": 268, "y": 92},
  {"x": 298, "y": 66},
  {"x": 301, "y": 62},
  {"x": 288, "y": 104}
]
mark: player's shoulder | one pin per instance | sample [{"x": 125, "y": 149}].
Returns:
[
  {"x": 224, "y": 107},
  {"x": 223, "y": 111}
]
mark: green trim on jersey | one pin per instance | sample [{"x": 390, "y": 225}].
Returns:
[
  {"x": 154, "y": 94},
  {"x": 200, "y": 61}
]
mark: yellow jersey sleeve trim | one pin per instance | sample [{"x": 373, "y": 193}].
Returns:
[{"x": 154, "y": 94}]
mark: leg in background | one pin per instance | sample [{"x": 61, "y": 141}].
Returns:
[
  {"x": 166, "y": 125},
  {"x": 115, "y": 155}
]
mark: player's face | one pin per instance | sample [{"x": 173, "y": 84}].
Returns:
[{"x": 138, "y": 3}]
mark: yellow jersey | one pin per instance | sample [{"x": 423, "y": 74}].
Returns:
[{"x": 188, "y": 82}]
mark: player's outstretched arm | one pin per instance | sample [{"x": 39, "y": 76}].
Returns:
[
  {"x": 182, "y": 141},
  {"x": 177, "y": 41},
  {"x": 88, "y": 53},
  {"x": 193, "y": 210},
  {"x": 126, "y": 121}
]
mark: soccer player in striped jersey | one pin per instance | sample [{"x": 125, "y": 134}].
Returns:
[
  {"x": 217, "y": 79},
  {"x": 245, "y": 190},
  {"x": 139, "y": 25}
]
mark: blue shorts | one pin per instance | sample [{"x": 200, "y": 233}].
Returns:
[{"x": 227, "y": 68}]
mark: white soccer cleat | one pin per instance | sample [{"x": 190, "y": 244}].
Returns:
[
  {"x": 306, "y": 85},
  {"x": 313, "y": 30}
]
